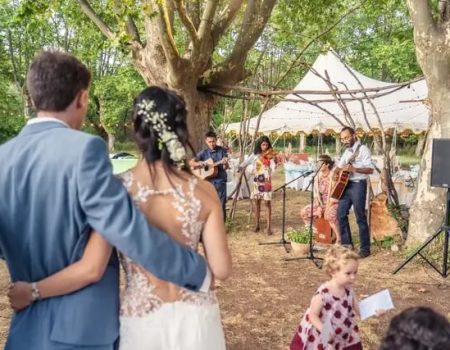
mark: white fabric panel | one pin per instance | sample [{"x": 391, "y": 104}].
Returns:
[{"x": 394, "y": 112}]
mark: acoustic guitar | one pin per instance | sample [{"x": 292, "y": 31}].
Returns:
[
  {"x": 207, "y": 169},
  {"x": 341, "y": 178}
]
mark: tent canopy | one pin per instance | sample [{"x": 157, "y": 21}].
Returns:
[{"x": 401, "y": 109}]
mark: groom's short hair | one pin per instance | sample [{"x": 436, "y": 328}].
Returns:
[{"x": 54, "y": 79}]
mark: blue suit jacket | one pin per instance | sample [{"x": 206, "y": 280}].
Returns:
[{"x": 56, "y": 183}]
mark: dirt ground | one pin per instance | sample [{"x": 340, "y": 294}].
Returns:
[{"x": 265, "y": 297}]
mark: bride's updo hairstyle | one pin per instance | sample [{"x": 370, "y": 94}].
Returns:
[{"x": 160, "y": 129}]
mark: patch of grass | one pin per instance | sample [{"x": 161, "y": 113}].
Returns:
[
  {"x": 406, "y": 160},
  {"x": 126, "y": 146},
  {"x": 387, "y": 242}
]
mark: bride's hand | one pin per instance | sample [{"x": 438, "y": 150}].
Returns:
[{"x": 19, "y": 295}]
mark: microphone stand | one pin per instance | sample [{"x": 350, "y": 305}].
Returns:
[
  {"x": 310, "y": 255},
  {"x": 283, "y": 241}
]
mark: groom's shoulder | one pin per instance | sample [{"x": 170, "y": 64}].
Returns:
[{"x": 78, "y": 138}]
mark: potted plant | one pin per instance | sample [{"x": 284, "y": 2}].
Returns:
[{"x": 299, "y": 239}]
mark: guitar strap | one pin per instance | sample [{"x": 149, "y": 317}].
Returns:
[{"x": 354, "y": 155}]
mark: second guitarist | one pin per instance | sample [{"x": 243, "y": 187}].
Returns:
[
  {"x": 217, "y": 154},
  {"x": 356, "y": 190}
]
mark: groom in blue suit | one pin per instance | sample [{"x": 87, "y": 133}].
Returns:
[{"x": 56, "y": 186}]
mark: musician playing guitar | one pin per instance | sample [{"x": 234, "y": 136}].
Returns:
[
  {"x": 219, "y": 155},
  {"x": 358, "y": 162}
]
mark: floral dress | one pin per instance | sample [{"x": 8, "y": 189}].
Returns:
[
  {"x": 341, "y": 314},
  {"x": 323, "y": 188},
  {"x": 262, "y": 176}
]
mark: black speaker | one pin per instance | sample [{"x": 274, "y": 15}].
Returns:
[{"x": 440, "y": 163}]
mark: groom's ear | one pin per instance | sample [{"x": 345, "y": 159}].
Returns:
[{"x": 82, "y": 99}]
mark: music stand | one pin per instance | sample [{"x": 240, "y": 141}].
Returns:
[
  {"x": 310, "y": 255},
  {"x": 445, "y": 229},
  {"x": 283, "y": 240}
]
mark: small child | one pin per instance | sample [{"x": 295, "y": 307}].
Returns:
[{"x": 330, "y": 322}]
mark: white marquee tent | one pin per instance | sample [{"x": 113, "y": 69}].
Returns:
[{"x": 401, "y": 109}]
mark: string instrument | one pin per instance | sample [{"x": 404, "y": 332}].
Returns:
[
  {"x": 342, "y": 176},
  {"x": 208, "y": 169},
  {"x": 323, "y": 231},
  {"x": 269, "y": 154}
]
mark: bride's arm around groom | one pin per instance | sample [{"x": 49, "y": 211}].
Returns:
[{"x": 57, "y": 185}]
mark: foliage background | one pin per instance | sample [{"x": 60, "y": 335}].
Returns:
[{"x": 375, "y": 37}]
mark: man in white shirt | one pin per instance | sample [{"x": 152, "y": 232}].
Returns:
[{"x": 360, "y": 167}]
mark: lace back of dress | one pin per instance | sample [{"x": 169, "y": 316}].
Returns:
[{"x": 140, "y": 296}]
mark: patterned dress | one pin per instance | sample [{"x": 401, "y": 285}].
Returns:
[
  {"x": 343, "y": 323},
  {"x": 330, "y": 213},
  {"x": 155, "y": 314}
]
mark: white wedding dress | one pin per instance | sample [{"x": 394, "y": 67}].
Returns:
[{"x": 177, "y": 319}]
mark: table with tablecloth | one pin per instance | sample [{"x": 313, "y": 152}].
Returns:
[
  {"x": 294, "y": 175},
  {"x": 233, "y": 177}
]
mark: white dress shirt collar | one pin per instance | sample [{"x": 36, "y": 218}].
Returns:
[{"x": 46, "y": 119}]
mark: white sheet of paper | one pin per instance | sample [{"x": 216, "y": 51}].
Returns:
[
  {"x": 378, "y": 301},
  {"x": 326, "y": 330}
]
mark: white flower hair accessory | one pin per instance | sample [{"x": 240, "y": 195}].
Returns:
[{"x": 167, "y": 136}]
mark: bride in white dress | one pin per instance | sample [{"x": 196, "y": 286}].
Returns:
[{"x": 156, "y": 314}]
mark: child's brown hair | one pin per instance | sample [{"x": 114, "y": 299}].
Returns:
[{"x": 336, "y": 254}]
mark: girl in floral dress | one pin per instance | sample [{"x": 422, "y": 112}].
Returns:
[
  {"x": 330, "y": 321},
  {"x": 264, "y": 164},
  {"x": 324, "y": 205}
]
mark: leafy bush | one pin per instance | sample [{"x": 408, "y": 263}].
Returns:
[
  {"x": 299, "y": 236},
  {"x": 388, "y": 242}
]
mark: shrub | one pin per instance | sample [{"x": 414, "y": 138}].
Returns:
[{"x": 299, "y": 236}]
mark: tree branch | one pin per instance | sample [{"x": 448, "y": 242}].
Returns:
[
  {"x": 133, "y": 31},
  {"x": 256, "y": 16},
  {"x": 165, "y": 31},
  {"x": 323, "y": 109},
  {"x": 225, "y": 18},
  {"x": 89, "y": 12},
  {"x": 391, "y": 87},
  {"x": 181, "y": 8},
  {"x": 193, "y": 10},
  {"x": 207, "y": 19},
  {"x": 443, "y": 7}
]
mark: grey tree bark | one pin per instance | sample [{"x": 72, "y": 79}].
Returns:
[{"x": 431, "y": 37}]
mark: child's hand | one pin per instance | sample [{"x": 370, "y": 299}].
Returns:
[{"x": 380, "y": 312}]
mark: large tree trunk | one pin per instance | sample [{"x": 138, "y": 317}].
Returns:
[
  {"x": 199, "y": 107},
  {"x": 427, "y": 210},
  {"x": 163, "y": 61},
  {"x": 420, "y": 144},
  {"x": 111, "y": 142},
  {"x": 431, "y": 38}
]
